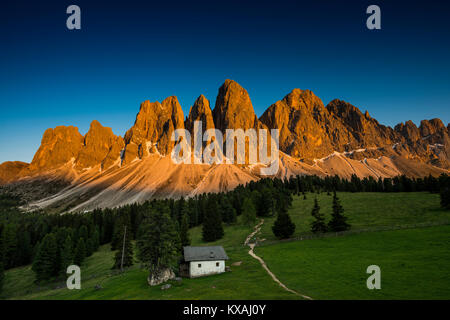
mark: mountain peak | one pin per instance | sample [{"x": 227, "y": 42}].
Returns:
[
  {"x": 154, "y": 124},
  {"x": 98, "y": 143},
  {"x": 233, "y": 109},
  {"x": 200, "y": 111},
  {"x": 58, "y": 146}
]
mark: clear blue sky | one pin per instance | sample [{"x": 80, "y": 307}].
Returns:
[{"x": 136, "y": 50}]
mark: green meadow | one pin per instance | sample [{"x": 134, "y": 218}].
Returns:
[{"x": 414, "y": 262}]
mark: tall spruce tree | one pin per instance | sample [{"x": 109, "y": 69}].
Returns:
[
  {"x": 45, "y": 264},
  {"x": 123, "y": 219},
  {"x": 265, "y": 205},
  {"x": 125, "y": 250},
  {"x": 96, "y": 239},
  {"x": 227, "y": 211},
  {"x": 283, "y": 227},
  {"x": 158, "y": 242},
  {"x": 338, "y": 221},
  {"x": 9, "y": 236},
  {"x": 248, "y": 212},
  {"x": 212, "y": 222},
  {"x": 80, "y": 252},
  {"x": 318, "y": 225},
  {"x": 184, "y": 230},
  {"x": 66, "y": 255}
]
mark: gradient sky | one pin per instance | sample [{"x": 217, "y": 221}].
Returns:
[{"x": 130, "y": 51}]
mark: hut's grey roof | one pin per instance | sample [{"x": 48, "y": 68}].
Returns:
[{"x": 204, "y": 253}]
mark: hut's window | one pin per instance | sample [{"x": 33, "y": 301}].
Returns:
[
  {"x": 217, "y": 264},
  {"x": 199, "y": 265}
]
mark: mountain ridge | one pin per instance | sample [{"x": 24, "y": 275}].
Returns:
[{"x": 314, "y": 139}]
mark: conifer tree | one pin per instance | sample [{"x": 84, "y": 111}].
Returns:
[
  {"x": 45, "y": 264},
  {"x": 318, "y": 225},
  {"x": 123, "y": 219},
  {"x": 158, "y": 241},
  {"x": 227, "y": 211},
  {"x": 338, "y": 221},
  {"x": 248, "y": 212},
  {"x": 83, "y": 232},
  {"x": 24, "y": 248},
  {"x": 10, "y": 245},
  {"x": 265, "y": 205},
  {"x": 184, "y": 230},
  {"x": 212, "y": 222},
  {"x": 80, "y": 252},
  {"x": 125, "y": 249},
  {"x": 283, "y": 227},
  {"x": 66, "y": 254},
  {"x": 96, "y": 239}
]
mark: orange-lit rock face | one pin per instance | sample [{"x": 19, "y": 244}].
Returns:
[
  {"x": 234, "y": 109},
  {"x": 307, "y": 129},
  {"x": 99, "y": 143},
  {"x": 408, "y": 131},
  {"x": 428, "y": 127},
  {"x": 10, "y": 170},
  {"x": 364, "y": 130},
  {"x": 58, "y": 146},
  {"x": 336, "y": 139},
  {"x": 154, "y": 124},
  {"x": 200, "y": 111}
]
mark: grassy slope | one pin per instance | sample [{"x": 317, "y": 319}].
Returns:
[
  {"x": 366, "y": 210},
  {"x": 248, "y": 280},
  {"x": 415, "y": 264}
]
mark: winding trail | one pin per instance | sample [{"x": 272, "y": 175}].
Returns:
[{"x": 251, "y": 253}]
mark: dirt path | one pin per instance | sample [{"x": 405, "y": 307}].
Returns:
[{"x": 252, "y": 246}]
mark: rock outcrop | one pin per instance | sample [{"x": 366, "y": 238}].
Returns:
[
  {"x": 307, "y": 129},
  {"x": 365, "y": 130},
  {"x": 58, "y": 146},
  {"x": 408, "y": 131},
  {"x": 11, "y": 170},
  {"x": 234, "y": 109},
  {"x": 200, "y": 111},
  {"x": 429, "y": 127},
  {"x": 160, "y": 276},
  {"x": 100, "y": 146},
  {"x": 153, "y": 129},
  {"x": 314, "y": 139}
]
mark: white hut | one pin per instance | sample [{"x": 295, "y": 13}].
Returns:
[{"x": 203, "y": 261}]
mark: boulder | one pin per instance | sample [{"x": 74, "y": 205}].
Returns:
[{"x": 161, "y": 276}]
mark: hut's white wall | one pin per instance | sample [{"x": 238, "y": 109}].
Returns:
[{"x": 206, "y": 267}]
